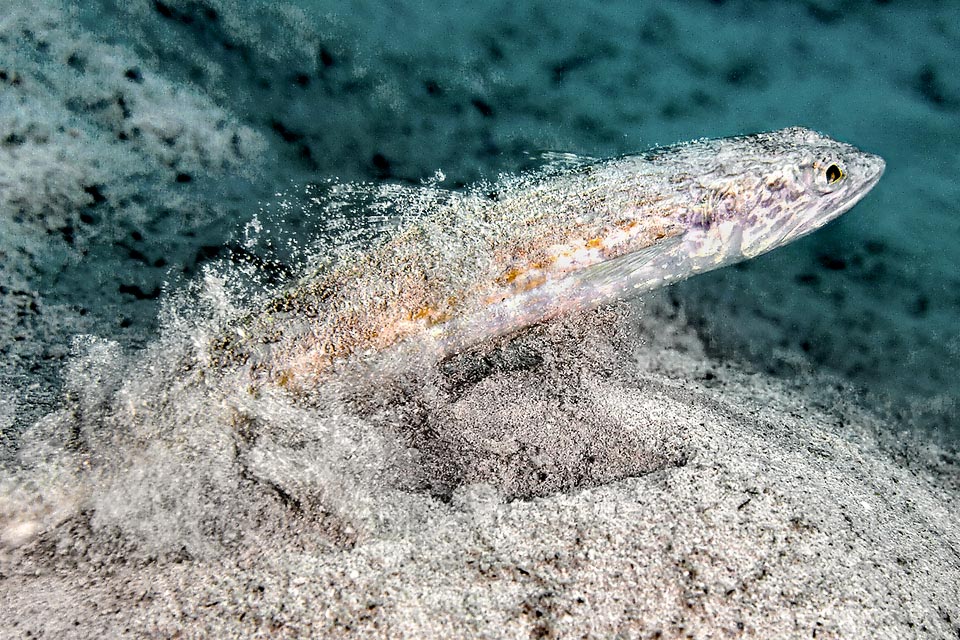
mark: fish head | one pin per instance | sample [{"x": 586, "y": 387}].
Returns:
[{"x": 762, "y": 191}]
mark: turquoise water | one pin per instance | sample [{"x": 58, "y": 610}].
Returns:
[{"x": 167, "y": 166}]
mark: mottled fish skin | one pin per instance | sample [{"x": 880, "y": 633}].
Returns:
[{"x": 552, "y": 242}]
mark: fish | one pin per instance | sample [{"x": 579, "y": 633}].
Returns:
[{"x": 496, "y": 259}]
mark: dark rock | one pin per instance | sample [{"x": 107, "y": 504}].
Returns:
[
  {"x": 920, "y": 306},
  {"x": 832, "y": 263},
  {"x": 485, "y": 109},
  {"x": 138, "y": 293},
  {"x": 381, "y": 164},
  {"x": 930, "y": 88},
  {"x": 94, "y": 191},
  {"x": 326, "y": 58},
  {"x": 285, "y": 133}
]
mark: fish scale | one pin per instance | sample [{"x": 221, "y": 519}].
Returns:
[{"x": 550, "y": 242}]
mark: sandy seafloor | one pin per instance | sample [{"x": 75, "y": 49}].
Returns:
[{"x": 769, "y": 450}]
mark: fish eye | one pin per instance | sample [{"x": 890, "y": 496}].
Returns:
[{"x": 834, "y": 174}]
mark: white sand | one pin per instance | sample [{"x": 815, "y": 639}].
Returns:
[{"x": 766, "y": 508}]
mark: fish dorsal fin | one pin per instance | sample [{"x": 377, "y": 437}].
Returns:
[
  {"x": 352, "y": 216},
  {"x": 563, "y": 158},
  {"x": 308, "y": 228},
  {"x": 551, "y": 161}
]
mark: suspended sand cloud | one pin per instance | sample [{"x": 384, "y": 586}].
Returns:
[
  {"x": 375, "y": 367},
  {"x": 175, "y": 460},
  {"x": 567, "y": 471},
  {"x": 396, "y": 280}
]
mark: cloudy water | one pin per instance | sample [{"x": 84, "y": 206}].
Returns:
[{"x": 173, "y": 452}]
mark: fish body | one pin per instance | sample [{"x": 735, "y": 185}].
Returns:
[{"x": 491, "y": 262}]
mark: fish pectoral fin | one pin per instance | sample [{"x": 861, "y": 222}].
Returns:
[{"x": 638, "y": 270}]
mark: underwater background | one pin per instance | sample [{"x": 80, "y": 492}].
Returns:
[
  {"x": 140, "y": 137},
  {"x": 139, "y": 141}
]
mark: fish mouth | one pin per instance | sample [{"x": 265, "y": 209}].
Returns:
[
  {"x": 875, "y": 166},
  {"x": 872, "y": 170}
]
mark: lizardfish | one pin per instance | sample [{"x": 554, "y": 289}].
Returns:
[{"x": 490, "y": 262}]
